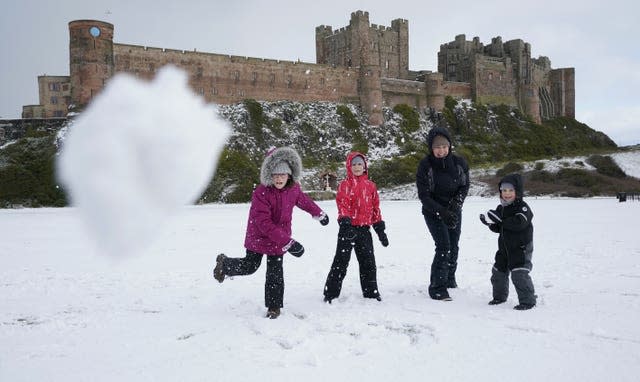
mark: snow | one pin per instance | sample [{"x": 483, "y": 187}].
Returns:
[
  {"x": 137, "y": 154},
  {"x": 69, "y": 313}
]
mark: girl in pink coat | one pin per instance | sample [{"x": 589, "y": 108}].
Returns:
[{"x": 269, "y": 225}]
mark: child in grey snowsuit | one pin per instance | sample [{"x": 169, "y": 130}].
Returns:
[{"x": 512, "y": 220}]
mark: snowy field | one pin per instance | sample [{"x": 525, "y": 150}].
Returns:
[{"x": 69, "y": 314}]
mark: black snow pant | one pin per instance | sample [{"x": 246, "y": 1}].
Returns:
[
  {"x": 274, "y": 281},
  {"x": 363, "y": 245},
  {"x": 445, "y": 259},
  {"x": 519, "y": 264}
]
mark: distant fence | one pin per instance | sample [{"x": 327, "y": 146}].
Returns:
[{"x": 624, "y": 196}]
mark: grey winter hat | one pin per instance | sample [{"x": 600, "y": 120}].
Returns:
[
  {"x": 281, "y": 168},
  {"x": 506, "y": 186},
  {"x": 440, "y": 140},
  {"x": 357, "y": 159}
]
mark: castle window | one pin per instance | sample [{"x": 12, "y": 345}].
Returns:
[
  {"x": 490, "y": 75},
  {"x": 201, "y": 91},
  {"x": 95, "y": 31},
  {"x": 54, "y": 86},
  {"x": 214, "y": 91},
  {"x": 289, "y": 81},
  {"x": 58, "y": 113},
  {"x": 322, "y": 81},
  {"x": 272, "y": 79},
  {"x": 386, "y": 64},
  {"x": 54, "y": 100},
  {"x": 236, "y": 75},
  {"x": 65, "y": 87}
]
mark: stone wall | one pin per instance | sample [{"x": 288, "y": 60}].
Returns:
[{"x": 228, "y": 79}]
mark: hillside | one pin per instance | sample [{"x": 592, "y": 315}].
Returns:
[{"x": 488, "y": 137}]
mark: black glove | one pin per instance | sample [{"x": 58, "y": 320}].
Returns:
[
  {"x": 493, "y": 215},
  {"x": 296, "y": 249},
  {"x": 449, "y": 218},
  {"x": 324, "y": 220},
  {"x": 379, "y": 227},
  {"x": 346, "y": 231},
  {"x": 484, "y": 221}
]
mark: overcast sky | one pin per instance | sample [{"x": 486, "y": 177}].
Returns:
[{"x": 598, "y": 38}]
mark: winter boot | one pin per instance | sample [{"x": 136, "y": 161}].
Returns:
[
  {"x": 218, "y": 271},
  {"x": 496, "y": 302},
  {"x": 273, "y": 313},
  {"x": 524, "y": 306},
  {"x": 440, "y": 294},
  {"x": 451, "y": 283}
]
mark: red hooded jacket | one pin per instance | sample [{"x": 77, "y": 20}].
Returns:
[{"x": 357, "y": 196}]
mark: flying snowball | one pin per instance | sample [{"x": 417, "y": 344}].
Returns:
[{"x": 139, "y": 152}]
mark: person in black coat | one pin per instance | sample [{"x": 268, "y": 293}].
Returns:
[
  {"x": 512, "y": 220},
  {"x": 443, "y": 183}
]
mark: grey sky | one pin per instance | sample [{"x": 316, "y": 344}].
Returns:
[{"x": 598, "y": 38}]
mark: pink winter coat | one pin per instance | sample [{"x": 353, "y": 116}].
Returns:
[
  {"x": 357, "y": 197},
  {"x": 269, "y": 224}
]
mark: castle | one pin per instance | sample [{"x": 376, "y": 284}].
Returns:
[{"x": 361, "y": 63}]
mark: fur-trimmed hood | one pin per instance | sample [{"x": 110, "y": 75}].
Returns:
[{"x": 276, "y": 156}]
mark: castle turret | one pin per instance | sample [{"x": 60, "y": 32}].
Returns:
[
  {"x": 435, "y": 90},
  {"x": 370, "y": 89},
  {"x": 90, "y": 58},
  {"x": 401, "y": 26},
  {"x": 322, "y": 32}
]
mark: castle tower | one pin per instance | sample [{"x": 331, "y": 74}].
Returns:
[
  {"x": 90, "y": 58},
  {"x": 532, "y": 102},
  {"x": 322, "y": 32},
  {"x": 370, "y": 89},
  {"x": 435, "y": 90},
  {"x": 401, "y": 26},
  {"x": 563, "y": 91}
]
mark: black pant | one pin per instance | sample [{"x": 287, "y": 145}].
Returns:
[
  {"x": 445, "y": 259},
  {"x": 274, "y": 281},
  {"x": 363, "y": 245},
  {"x": 518, "y": 263}
]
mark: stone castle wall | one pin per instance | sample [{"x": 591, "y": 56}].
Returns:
[
  {"x": 360, "y": 63},
  {"x": 229, "y": 79}
]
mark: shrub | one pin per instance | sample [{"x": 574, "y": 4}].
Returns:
[
  {"x": 450, "y": 103},
  {"x": 605, "y": 165},
  {"x": 392, "y": 172},
  {"x": 29, "y": 176},
  {"x": 410, "y": 118},
  {"x": 509, "y": 168},
  {"x": 578, "y": 178},
  {"x": 234, "y": 180}
]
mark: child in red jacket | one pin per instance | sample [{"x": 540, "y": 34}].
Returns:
[{"x": 358, "y": 209}]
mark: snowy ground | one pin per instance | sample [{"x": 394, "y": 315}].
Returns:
[{"x": 69, "y": 314}]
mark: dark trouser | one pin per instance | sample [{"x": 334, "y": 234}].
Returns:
[
  {"x": 363, "y": 245},
  {"x": 519, "y": 264},
  {"x": 445, "y": 259},
  {"x": 274, "y": 281}
]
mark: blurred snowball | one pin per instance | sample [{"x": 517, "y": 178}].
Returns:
[{"x": 139, "y": 152}]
